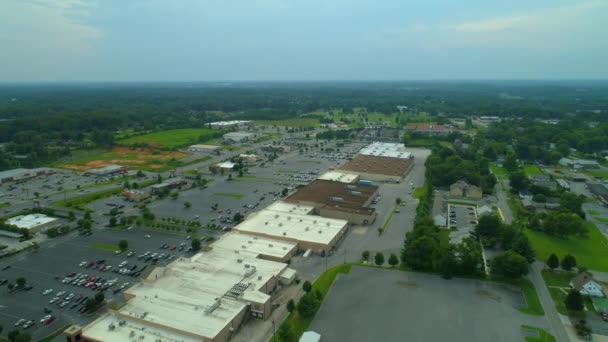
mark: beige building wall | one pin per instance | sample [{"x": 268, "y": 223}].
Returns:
[{"x": 351, "y": 217}]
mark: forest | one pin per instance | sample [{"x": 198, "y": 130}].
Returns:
[{"x": 41, "y": 122}]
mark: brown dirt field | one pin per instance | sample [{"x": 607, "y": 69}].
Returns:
[{"x": 143, "y": 156}]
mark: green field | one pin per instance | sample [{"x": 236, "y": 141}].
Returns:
[
  {"x": 543, "y": 336},
  {"x": 298, "y": 122},
  {"x": 172, "y": 138},
  {"x": 226, "y": 194},
  {"x": 499, "y": 172},
  {"x": 531, "y": 170},
  {"x": 590, "y": 252}
]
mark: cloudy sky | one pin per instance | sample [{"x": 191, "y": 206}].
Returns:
[{"x": 174, "y": 40}]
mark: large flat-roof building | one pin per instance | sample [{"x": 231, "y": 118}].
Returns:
[
  {"x": 265, "y": 248},
  {"x": 238, "y": 137},
  {"x": 338, "y": 200},
  {"x": 204, "y": 148},
  {"x": 342, "y": 177},
  {"x": 108, "y": 170},
  {"x": 382, "y": 149},
  {"x": 21, "y": 174},
  {"x": 378, "y": 168},
  {"x": 203, "y": 298},
  {"x": 293, "y": 223},
  {"x": 239, "y": 124},
  {"x": 34, "y": 223}
]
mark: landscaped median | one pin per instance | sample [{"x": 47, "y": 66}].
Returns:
[
  {"x": 299, "y": 324},
  {"x": 541, "y": 335},
  {"x": 78, "y": 202}
]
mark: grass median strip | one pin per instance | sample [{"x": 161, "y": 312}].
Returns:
[
  {"x": 388, "y": 220},
  {"x": 103, "y": 246},
  {"x": 541, "y": 335},
  {"x": 228, "y": 194}
]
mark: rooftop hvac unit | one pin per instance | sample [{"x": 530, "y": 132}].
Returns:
[
  {"x": 327, "y": 223},
  {"x": 289, "y": 218},
  {"x": 239, "y": 260},
  {"x": 320, "y": 231},
  {"x": 280, "y": 225},
  {"x": 243, "y": 246},
  {"x": 276, "y": 216},
  {"x": 266, "y": 223},
  {"x": 249, "y": 271},
  {"x": 250, "y": 242},
  {"x": 284, "y": 234},
  {"x": 111, "y": 326},
  {"x": 270, "y": 245},
  {"x": 306, "y": 229},
  {"x": 259, "y": 277},
  {"x": 212, "y": 307}
]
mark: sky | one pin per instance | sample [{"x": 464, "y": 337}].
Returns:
[{"x": 231, "y": 40}]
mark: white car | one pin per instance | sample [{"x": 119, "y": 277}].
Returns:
[
  {"x": 45, "y": 318},
  {"x": 82, "y": 264},
  {"x": 53, "y": 300},
  {"x": 147, "y": 236},
  {"x": 61, "y": 293},
  {"x": 47, "y": 291},
  {"x": 19, "y": 322}
]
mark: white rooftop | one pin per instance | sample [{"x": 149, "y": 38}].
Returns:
[
  {"x": 291, "y": 208},
  {"x": 183, "y": 296},
  {"x": 229, "y": 123},
  {"x": 226, "y": 165},
  {"x": 256, "y": 245},
  {"x": 210, "y": 147},
  {"x": 238, "y": 135},
  {"x": 382, "y": 149},
  {"x": 339, "y": 177},
  {"x": 30, "y": 221},
  {"x": 298, "y": 227}
]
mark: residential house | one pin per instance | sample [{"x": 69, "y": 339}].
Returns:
[{"x": 586, "y": 285}]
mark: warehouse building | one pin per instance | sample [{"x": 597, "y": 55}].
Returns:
[
  {"x": 233, "y": 138},
  {"x": 381, "y": 149},
  {"x": 19, "y": 175},
  {"x": 168, "y": 184},
  {"x": 209, "y": 149},
  {"x": 34, "y": 223},
  {"x": 233, "y": 124},
  {"x": 135, "y": 195},
  {"x": 203, "y": 298},
  {"x": 378, "y": 168},
  {"x": 338, "y": 200},
  {"x": 335, "y": 176},
  {"x": 264, "y": 248},
  {"x": 109, "y": 170},
  {"x": 293, "y": 223}
]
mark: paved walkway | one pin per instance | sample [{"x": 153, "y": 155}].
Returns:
[{"x": 553, "y": 317}]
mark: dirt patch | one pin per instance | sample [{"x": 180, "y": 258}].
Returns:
[{"x": 130, "y": 157}]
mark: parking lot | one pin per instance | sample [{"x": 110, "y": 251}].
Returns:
[
  {"x": 461, "y": 217},
  {"x": 428, "y": 308},
  {"x": 48, "y": 268}
]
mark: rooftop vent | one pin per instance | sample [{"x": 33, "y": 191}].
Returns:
[
  {"x": 320, "y": 231},
  {"x": 243, "y": 246},
  {"x": 284, "y": 234},
  {"x": 270, "y": 245},
  {"x": 239, "y": 260},
  {"x": 306, "y": 229},
  {"x": 276, "y": 216},
  {"x": 249, "y": 242}
]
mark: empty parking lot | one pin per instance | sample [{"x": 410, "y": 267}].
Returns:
[{"x": 371, "y": 304}]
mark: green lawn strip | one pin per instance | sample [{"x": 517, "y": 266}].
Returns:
[
  {"x": 323, "y": 283},
  {"x": 228, "y": 194},
  {"x": 555, "y": 280},
  {"x": 170, "y": 138},
  {"x": 418, "y": 192},
  {"x": 533, "y": 303},
  {"x": 594, "y": 213},
  {"x": 543, "y": 336},
  {"x": 103, "y": 246},
  {"x": 5, "y": 204},
  {"x": 499, "y": 172},
  {"x": 590, "y": 252},
  {"x": 601, "y": 219},
  {"x": 388, "y": 219},
  {"x": 531, "y": 170}
]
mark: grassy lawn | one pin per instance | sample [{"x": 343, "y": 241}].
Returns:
[
  {"x": 532, "y": 170},
  {"x": 298, "y": 122},
  {"x": 534, "y": 306},
  {"x": 418, "y": 192},
  {"x": 499, "y": 172},
  {"x": 170, "y": 139},
  {"x": 554, "y": 279},
  {"x": 323, "y": 283},
  {"x": 103, "y": 246},
  {"x": 590, "y": 252},
  {"x": 228, "y": 194},
  {"x": 597, "y": 173},
  {"x": 543, "y": 336},
  {"x": 601, "y": 219}
]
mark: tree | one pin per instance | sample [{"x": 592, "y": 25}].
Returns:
[
  {"x": 307, "y": 286},
  {"x": 20, "y": 282},
  {"x": 286, "y": 332},
  {"x": 12, "y": 335},
  {"x": 126, "y": 185},
  {"x": 241, "y": 173},
  {"x": 488, "y": 226},
  {"x": 523, "y": 247},
  {"x": 572, "y": 203},
  {"x": 553, "y": 262},
  {"x": 71, "y": 216},
  {"x": 87, "y": 215},
  {"x": 393, "y": 260},
  {"x": 238, "y": 217},
  {"x": 112, "y": 221},
  {"x": 123, "y": 245},
  {"x": 564, "y": 224},
  {"x": 398, "y": 200},
  {"x": 291, "y": 305},
  {"x": 284, "y": 192},
  {"x": 365, "y": 255},
  {"x": 187, "y": 205},
  {"x": 509, "y": 265},
  {"x": 99, "y": 297},
  {"x": 416, "y": 253},
  {"x": 23, "y": 337},
  {"x": 574, "y": 301},
  {"x": 379, "y": 259},
  {"x": 195, "y": 244},
  {"x": 139, "y": 174},
  {"x": 307, "y": 306},
  {"x": 518, "y": 181},
  {"x": 159, "y": 179},
  {"x": 568, "y": 262},
  {"x": 510, "y": 162},
  {"x": 174, "y": 195},
  {"x": 90, "y": 304}
]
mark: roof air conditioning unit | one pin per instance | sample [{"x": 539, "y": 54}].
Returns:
[
  {"x": 243, "y": 246},
  {"x": 270, "y": 245},
  {"x": 320, "y": 231},
  {"x": 284, "y": 234},
  {"x": 239, "y": 260}
]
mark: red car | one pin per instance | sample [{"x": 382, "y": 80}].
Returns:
[
  {"x": 90, "y": 264},
  {"x": 173, "y": 248},
  {"x": 49, "y": 320}
]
